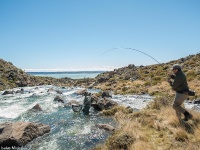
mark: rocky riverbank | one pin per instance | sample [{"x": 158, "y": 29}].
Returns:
[
  {"x": 25, "y": 111},
  {"x": 127, "y": 80},
  {"x": 155, "y": 124}
]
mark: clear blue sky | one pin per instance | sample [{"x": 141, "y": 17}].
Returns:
[{"x": 73, "y": 34}]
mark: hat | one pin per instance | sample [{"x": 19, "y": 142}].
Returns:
[{"x": 176, "y": 66}]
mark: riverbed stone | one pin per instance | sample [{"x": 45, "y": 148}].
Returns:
[
  {"x": 37, "y": 108},
  {"x": 20, "y": 133},
  {"x": 81, "y": 92},
  {"x": 8, "y": 92},
  {"x": 58, "y": 99},
  {"x": 106, "y": 127}
]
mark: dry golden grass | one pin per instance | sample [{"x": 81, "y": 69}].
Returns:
[{"x": 155, "y": 129}]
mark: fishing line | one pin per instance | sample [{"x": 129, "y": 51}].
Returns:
[{"x": 132, "y": 50}]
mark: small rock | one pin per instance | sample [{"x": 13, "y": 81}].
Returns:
[
  {"x": 106, "y": 127},
  {"x": 58, "y": 99},
  {"x": 197, "y": 101},
  {"x": 37, "y": 107},
  {"x": 72, "y": 102},
  {"x": 20, "y": 91}
]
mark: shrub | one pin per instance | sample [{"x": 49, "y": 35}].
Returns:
[
  {"x": 122, "y": 141},
  {"x": 147, "y": 83}
]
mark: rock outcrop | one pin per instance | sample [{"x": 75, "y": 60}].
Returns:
[{"x": 20, "y": 133}]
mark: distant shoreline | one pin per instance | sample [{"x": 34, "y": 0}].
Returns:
[
  {"x": 53, "y": 72},
  {"x": 69, "y": 74}
]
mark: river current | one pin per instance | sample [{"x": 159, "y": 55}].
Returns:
[{"x": 69, "y": 130}]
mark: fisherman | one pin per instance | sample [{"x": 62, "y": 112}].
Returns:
[
  {"x": 87, "y": 103},
  {"x": 180, "y": 85}
]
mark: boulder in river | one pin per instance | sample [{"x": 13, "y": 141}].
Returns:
[
  {"x": 51, "y": 90},
  {"x": 20, "y": 133},
  {"x": 106, "y": 127},
  {"x": 197, "y": 101},
  {"x": 105, "y": 94},
  {"x": 59, "y": 99},
  {"x": 72, "y": 102},
  {"x": 8, "y": 92},
  {"x": 35, "y": 108},
  {"x": 80, "y": 92},
  {"x": 20, "y": 91},
  {"x": 104, "y": 104}
]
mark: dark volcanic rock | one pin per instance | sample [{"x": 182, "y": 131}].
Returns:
[
  {"x": 37, "y": 107},
  {"x": 8, "y": 92},
  {"x": 197, "y": 101},
  {"x": 106, "y": 104},
  {"x": 20, "y": 91},
  {"x": 105, "y": 94},
  {"x": 20, "y": 133},
  {"x": 59, "y": 99}
]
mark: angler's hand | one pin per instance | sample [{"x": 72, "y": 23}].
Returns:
[{"x": 170, "y": 74}]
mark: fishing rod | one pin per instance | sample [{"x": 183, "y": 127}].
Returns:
[{"x": 132, "y": 50}]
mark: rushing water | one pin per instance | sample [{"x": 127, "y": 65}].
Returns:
[{"x": 69, "y": 130}]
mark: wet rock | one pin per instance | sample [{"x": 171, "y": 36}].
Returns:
[
  {"x": 58, "y": 99},
  {"x": 35, "y": 108},
  {"x": 96, "y": 107},
  {"x": 81, "y": 92},
  {"x": 51, "y": 90},
  {"x": 20, "y": 91},
  {"x": 197, "y": 101},
  {"x": 72, "y": 102},
  {"x": 8, "y": 92},
  {"x": 106, "y": 104},
  {"x": 106, "y": 127},
  {"x": 105, "y": 94},
  {"x": 20, "y": 133}
]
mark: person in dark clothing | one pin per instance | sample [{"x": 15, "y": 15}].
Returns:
[
  {"x": 180, "y": 85},
  {"x": 87, "y": 103}
]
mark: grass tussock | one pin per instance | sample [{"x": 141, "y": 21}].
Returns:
[
  {"x": 112, "y": 111},
  {"x": 155, "y": 128}
]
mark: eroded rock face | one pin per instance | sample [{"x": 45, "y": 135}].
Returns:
[{"x": 20, "y": 133}]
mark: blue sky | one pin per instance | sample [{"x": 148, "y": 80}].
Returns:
[{"x": 73, "y": 34}]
